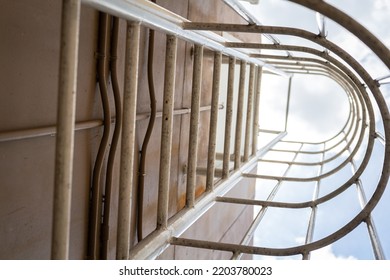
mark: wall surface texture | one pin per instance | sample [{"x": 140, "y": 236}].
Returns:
[{"x": 29, "y": 59}]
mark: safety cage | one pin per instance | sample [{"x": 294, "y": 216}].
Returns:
[{"x": 165, "y": 154}]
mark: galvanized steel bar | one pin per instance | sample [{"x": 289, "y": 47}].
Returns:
[
  {"x": 281, "y": 178},
  {"x": 166, "y": 132},
  {"x": 203, "y": 244},
  {"x": 70, "y": 22},
  {"x": 249, "y": 111},
  {"x": 271, "y": 132},
  {"x": 228, "y": 118},
  {"x": 194, "y": 125},
  {"x": 213, "y": 121},
  {"x": 240, "y": 108},
  {"x": 313, "y": 214},
  {"x": 126, "y": 178},
  {"x": 372, "y": 232},
  {"x": 256, "y": 109},
  {"x": 263, "y": 203},
  {"x": 288, "y": 103},
  {"x": 374, "y": 238}
]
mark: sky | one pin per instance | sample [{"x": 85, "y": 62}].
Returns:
[
  {"x": 371, "y": 14},
  {"x": 318, "y": 109}
]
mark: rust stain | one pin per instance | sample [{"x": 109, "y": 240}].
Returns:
[
  {"x": 182, "y": 199},
  {"x": 182, "y": 202},
  {"x": 199, "y": 190}
]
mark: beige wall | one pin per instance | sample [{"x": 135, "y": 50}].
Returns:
[{"x": 29, "y": 51}]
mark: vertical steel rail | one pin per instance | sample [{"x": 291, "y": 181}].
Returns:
[
  {"x": 213, "y": 121},
  {"x": 67, "y": 85},
  {"x": 249, "y": 111},
  {"x": 374, "y": 238},
  {"x": 256, "y": 109},
  {"x": 259, "y": 217},
  {"x": 372, "y": 232},
  {"x": 321, "y": 24},
  {"x": 166, "y": 132},
  {"x": 240, "y": 10},
  {"x": 288, "y": 103},
  {"x": 228, "y": 118},
  {"x": 380, "y": 137},
  {"x": 240, "y": 109},
  {"x": 128, "y": 139},
  {"x": 310, "y": 230},
  {"x": 194, "y": 125},
  {"x": 313, "y": 214}
]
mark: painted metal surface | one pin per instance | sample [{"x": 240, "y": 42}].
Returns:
[
  {"x": 168, "y": 221},
  {"x": 65, "y": 128}
]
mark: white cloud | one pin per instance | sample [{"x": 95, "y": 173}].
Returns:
[
  {"x": 318, "y": 109},
  {"x": 300, "y": 240},
  {"x": 323, "y": 254},
  {"x": 326, "y": 253},
  {"x": 381, "y": 10}
]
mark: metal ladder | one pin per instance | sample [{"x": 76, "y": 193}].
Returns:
[{"x": 237, "y": 162}]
